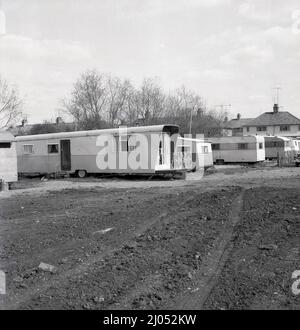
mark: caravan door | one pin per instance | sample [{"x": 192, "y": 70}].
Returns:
[{"x": 65, "y": 155}]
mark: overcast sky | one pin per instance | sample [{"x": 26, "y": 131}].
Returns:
[{"x": 228, "y": 51}]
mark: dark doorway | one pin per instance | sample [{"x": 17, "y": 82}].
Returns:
[
  {"x": 172, "y": 154},
  {"x": 65, "y": 155}
]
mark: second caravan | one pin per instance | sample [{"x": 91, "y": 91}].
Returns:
[{"x": 238, "y": 149}]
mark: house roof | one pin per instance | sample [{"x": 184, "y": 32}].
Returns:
[
  {"x": 236, "y": 123},
  {"x": 274, "y": 118}
]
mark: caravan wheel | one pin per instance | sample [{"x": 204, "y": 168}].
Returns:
[{"x": 81, "y": 174}]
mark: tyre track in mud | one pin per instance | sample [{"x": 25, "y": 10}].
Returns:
[
  {"x": 34, "y": 295},
  {"x": 207, "y": 276}
]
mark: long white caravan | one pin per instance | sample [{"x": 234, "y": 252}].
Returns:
[
  {"x": 132, "y": 150},
  {"x": 8, "y": 158},
  {"x": 238, "y": 149}
]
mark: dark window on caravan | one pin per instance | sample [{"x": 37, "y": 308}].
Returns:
[
  {"x": 5, "y": 145},
  {"x": 261, "y": 145},
  {"x": 52, "y": 148},
  {"x": 243, "y": 146},
  {"x": 215, "y": 146},
  {"x": 205, "y": 150},
  {"x": 248, "y": 129}
]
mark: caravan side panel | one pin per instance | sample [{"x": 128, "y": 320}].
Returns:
[{"x": 8, "y": 163}]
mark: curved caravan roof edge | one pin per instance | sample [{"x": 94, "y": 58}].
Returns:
[
  {"x": 173, "y": 129},
  {"x": 237, "y": 138},
  {"x": 283, "y": 138},
  {"x": 6, "y": 136}
]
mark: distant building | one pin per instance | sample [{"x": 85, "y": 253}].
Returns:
[
  {"x": 234, "y": 127},
  {"x": 275, "y": 123},
  {"x": 46, "y": 127}
]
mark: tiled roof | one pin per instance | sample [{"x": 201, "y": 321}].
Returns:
[
  {"x": 272, "y": 118},
  {"x": 236, "y": 123}
]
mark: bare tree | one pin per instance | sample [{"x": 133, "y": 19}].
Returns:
[
  {"x": 119, "y": 93},
  {"x": 88, "y": 100},
  {"x": 101, "y": 101},
  {"x": 10, "y": 104},
  {"x": 150, "y": 100}
]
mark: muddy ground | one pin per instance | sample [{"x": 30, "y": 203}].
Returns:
[{"x": 230, "y": 240}]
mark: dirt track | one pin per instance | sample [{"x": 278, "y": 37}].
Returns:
[{"x": 228, "y": 241}]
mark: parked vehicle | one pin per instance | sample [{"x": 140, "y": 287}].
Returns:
[
  {"x": 296, "y": 145},
  {"x": 196, "y": 153},
  {"x": 82, "y": 152},
  {"x": 277, "y": 145},
  {"x": 8, "y": 158},
  {"x": 238, "y": 149}
]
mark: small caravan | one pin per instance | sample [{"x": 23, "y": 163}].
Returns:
[
  {"x": 276, "y": 145},
  {"x": 196, "y": 153},
  {"x": 132, "y": 150},
  {"x": 8, "y": 158},
  {"x": 296, "y": 145},
  {"x": 238, "y": 149}
]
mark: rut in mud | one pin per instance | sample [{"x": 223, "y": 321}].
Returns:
[{"x": 195, "y": 247}]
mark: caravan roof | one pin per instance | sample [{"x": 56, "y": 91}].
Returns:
[
  {"x": 173, "y": 129},
  {"x": 6, "y": 136}
]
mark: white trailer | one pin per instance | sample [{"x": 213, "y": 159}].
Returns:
[
  {"x": 8, "y": 158},
  {"x": 238, "y": 149},
  {"x": 296, "y": 145},
  {"x": 82, "y": 152},
  {"x": 277, "y": 145},
  {"x": 197, "y": 154}
]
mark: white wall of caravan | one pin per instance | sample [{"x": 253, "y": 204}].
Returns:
[
  {"x": 8, "y": 164},
  {"x": 229, "y": 151}
]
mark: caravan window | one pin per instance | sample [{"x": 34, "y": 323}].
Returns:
[
  {"x": 261, "y": 145},
  {"x": 243, "y": 146},
  {"x": 28, "y": 149},
  {"x": 215, "y": 146},
  {"x": 5, "y": 145},
  {"x": 205, "y": 150},
  {"x": 52, "y": 148}
]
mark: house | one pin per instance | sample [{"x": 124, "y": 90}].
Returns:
[
  {"x": 234, "y": 127},
  {"x": 275, "y": 123},
  {"x": 8, "y": 157}
]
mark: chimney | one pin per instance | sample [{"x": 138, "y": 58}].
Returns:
[
  {"x": 275, "y": 108},
  {"x": 199, "y": 112},
  {"x": 238, "y": 117},
  {"x": 59, "y": 120}
]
